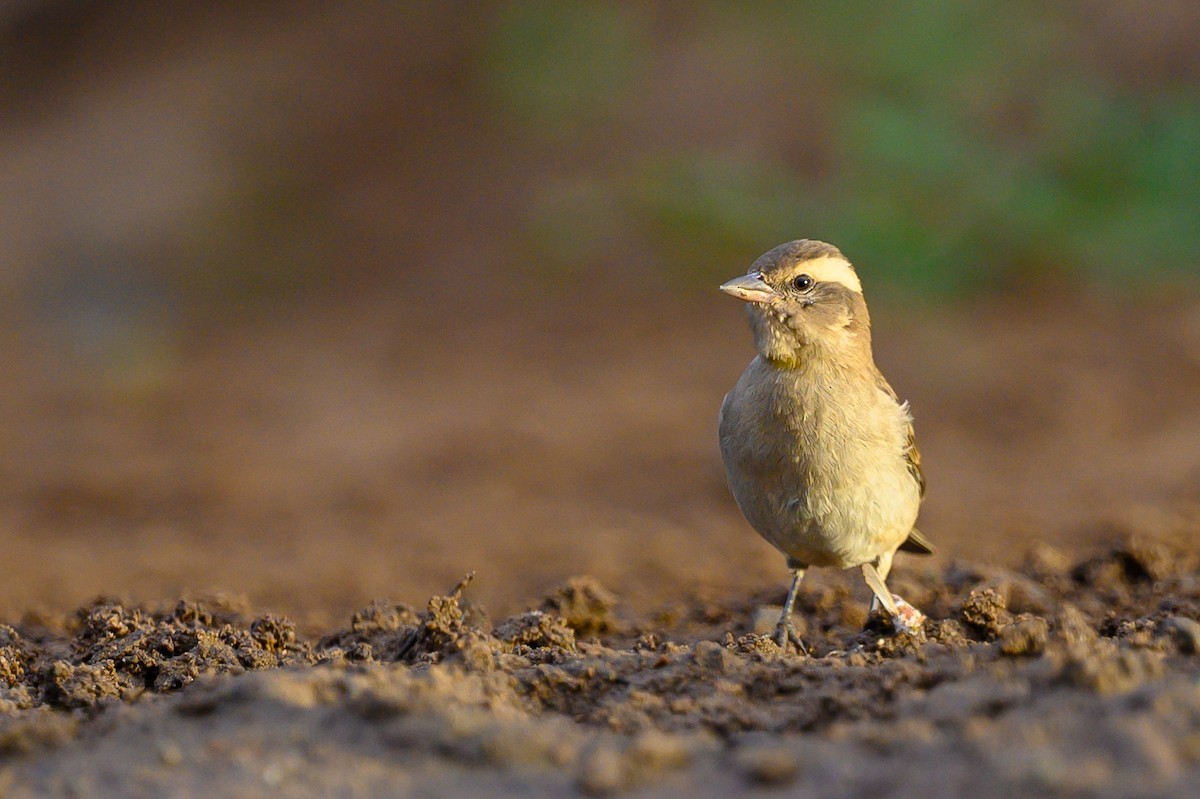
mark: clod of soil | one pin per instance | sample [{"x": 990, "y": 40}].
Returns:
[{"x": 586, "y": 606}]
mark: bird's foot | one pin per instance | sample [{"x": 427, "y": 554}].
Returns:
[
  {"x": 785, "y": 633},
  {"x": 905, "y": 618}
]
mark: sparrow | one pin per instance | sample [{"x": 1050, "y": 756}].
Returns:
[{"x": 819, "y": 451}]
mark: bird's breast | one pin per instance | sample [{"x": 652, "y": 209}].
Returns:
[{"x": 815, "y": 463}]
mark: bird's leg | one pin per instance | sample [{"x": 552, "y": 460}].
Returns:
[
  {"x": 881, "y": 596},
  {"x": 905, "y": 618},
  {"x": 785, "y": 631},
  {"x": 879, "y": 588}
]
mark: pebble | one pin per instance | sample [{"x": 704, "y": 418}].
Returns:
[
  {"x": 713, "y": 655},
  {"x": 1027, "y": 636}
]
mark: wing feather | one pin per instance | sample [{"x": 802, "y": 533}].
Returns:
[
  {"x": 916, "y": 541},
  {"x": 912, "y": 455}
]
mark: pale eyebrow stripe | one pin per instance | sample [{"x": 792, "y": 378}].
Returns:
[{"x": 831, "y": 269}]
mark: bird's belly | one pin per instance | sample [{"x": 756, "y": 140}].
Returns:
[{"x": 820, "y": 514}]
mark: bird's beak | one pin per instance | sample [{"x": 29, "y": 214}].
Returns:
[{"x": 749, "y": 288}]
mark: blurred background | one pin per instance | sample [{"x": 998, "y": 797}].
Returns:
[{"x": 320, "y": 302}]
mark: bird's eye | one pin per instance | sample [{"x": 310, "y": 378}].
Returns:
[{"x": 803, "y": 282}]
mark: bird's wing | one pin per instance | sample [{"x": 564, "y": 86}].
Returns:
[
  {"x": 912, "y": 455},
  {"x": 916, "y": 541}
]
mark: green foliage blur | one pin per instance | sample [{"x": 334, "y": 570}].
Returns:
[{"x": 947, "y": 146}]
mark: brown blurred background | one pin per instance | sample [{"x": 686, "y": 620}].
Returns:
[{"x": 322, "y": 302}]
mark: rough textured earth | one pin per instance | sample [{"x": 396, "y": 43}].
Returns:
[{"x": 1059, "y": 677}]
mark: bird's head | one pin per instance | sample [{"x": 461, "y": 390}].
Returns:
[{"x": 804, "y": 297}]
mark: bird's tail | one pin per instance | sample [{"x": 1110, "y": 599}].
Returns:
[{"x": 918, "y": 543}]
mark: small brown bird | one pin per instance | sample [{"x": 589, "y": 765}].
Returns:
[{"x": 819, "y": 452}]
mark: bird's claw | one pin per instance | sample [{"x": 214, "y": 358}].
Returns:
[
  {"x": 905, "y": 619},
  {"x": 785, "y": 633}
]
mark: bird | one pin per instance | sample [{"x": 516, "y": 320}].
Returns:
[{"x": 819, "y": 451}]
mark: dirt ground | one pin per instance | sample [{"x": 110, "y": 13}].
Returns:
[
  {"x": 1063, "y": 677},
  {"x": 278, "y": 478}
]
